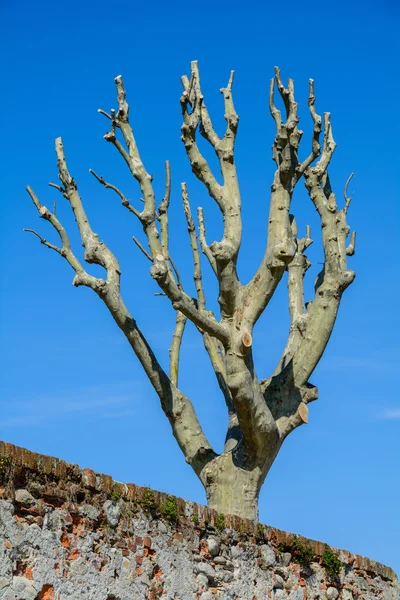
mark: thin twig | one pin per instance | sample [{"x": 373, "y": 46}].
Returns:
[
  {"x": 125, "y": 201},
  {"x": 111, "y": 117},
  {"x": 195, "y": 249},
  {"x": 163, "y": 211},
  {"x": 178, "y": 277},
  {"x": 45, "y": 242},
  {"x": 203, "y": 243},
  {"x": 315, "y": 146},
  {"x": 59, "y": 188},
  {"x": 139, "y": 245},
  {"x": 347, "y": 199},
  {"x": 174, "y": 353},
  {"x": 351, "y": 248},
  {"x": 275, "y": 113},
  {"x": 65, "y": 250}
]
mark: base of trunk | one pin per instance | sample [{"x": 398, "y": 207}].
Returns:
[{"x": 232, "y": 490}]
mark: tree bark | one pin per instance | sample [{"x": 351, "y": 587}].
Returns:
[{"x": 233, "y": 480}]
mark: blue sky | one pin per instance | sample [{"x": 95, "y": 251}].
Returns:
[{"x": 70, "y": 386}]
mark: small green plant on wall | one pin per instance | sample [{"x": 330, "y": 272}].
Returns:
[
  {"x": 148, "y": 500},
  {"x": 302, "y": 552},
  {"x": 220, "y": 521},
  {"x": 331, "y": 562},
  {"x": 170, "y": 510}
]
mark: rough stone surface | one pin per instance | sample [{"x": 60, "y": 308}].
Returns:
[{"x": 71, "y": 534}]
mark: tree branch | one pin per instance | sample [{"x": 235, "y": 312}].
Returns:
[
  {"x": 59, "y": 188},
  {"x": 180, "y": 301},
  {"x": 95, "y": 251},
  {"x": 203, "y": 243},
  {"x": 351, "y": 248},
  {"x": 160, "y": 270},
  {"x": 210, "y": 343},
  {"x": 193, "y": 97},
  {"x": 44, "y": 242},
  {"x": 177, "y": 407},
  {"x": 195, "y": 250},
  {"x": 281, "y": 246},
  {"x": 315, "y": 147},
  {"x": 111, "y": 117},
  {"x": 296, "y": 272},
  {"x": 307, "y": 343},
  {"x": 125, "y": 201},
  {"x": 217, "y": 359},
  {"x": 227, "y": 196},
  {"x": 163, "y": 210},
  {"x": 347, "y": 199},
  {"x": 81, "y": 277},
  {"x": 141, "y": 247},
  {"x": 176, "y": 347}
]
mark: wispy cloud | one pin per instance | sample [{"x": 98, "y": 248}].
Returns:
[
  {"x": 391, "y": 414},
  {"x": 376, "y": 362},
  {"x": 20, "y": 421},
  {"x": 115, "y": 400}
]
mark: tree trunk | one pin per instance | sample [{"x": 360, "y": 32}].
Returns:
[{"x": 232, "y": 489}]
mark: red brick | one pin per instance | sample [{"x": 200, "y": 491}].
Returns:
[
  {"x": 132, "y": 547},
  {"x": 74, "y": 554},
  {"x": 47, "y": 593},
  {"x": 19, "y": 519},
  {"x": 157, "y": 572},
  {"x": 89, "y": 478},
  {"x": 65, "y": 541},
  {"x": 28, "y": 573}
]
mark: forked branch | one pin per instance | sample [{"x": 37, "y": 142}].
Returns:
[
  {"x": 281, "y": 245},
  {"x": 311, "y": 327},
  {"x": 160, "y": 270},
  {"x": 223, "y": 254},
  {"x": 177, "y": 407}
]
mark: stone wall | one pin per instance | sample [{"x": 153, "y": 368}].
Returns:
[{"x": 67, "y": 533}]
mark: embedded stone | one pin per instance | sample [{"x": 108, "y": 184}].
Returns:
[
  {"x": 268, "y": 555},
  {"x": 202, "y": 580},
  {"x": 279, "y": 583},
  {"x": 227, "y": 576},
  {"x": 86, "y": 510},
  {"x": 207, "y": 570},
  {"x": 24, "y": 497},
  {"x": 113, "y": 512},
  {"x": 236, "y": 551},
  {"x": 213, "y": 546}
]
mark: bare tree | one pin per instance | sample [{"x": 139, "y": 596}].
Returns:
[{"x": 261, "y": 412}]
